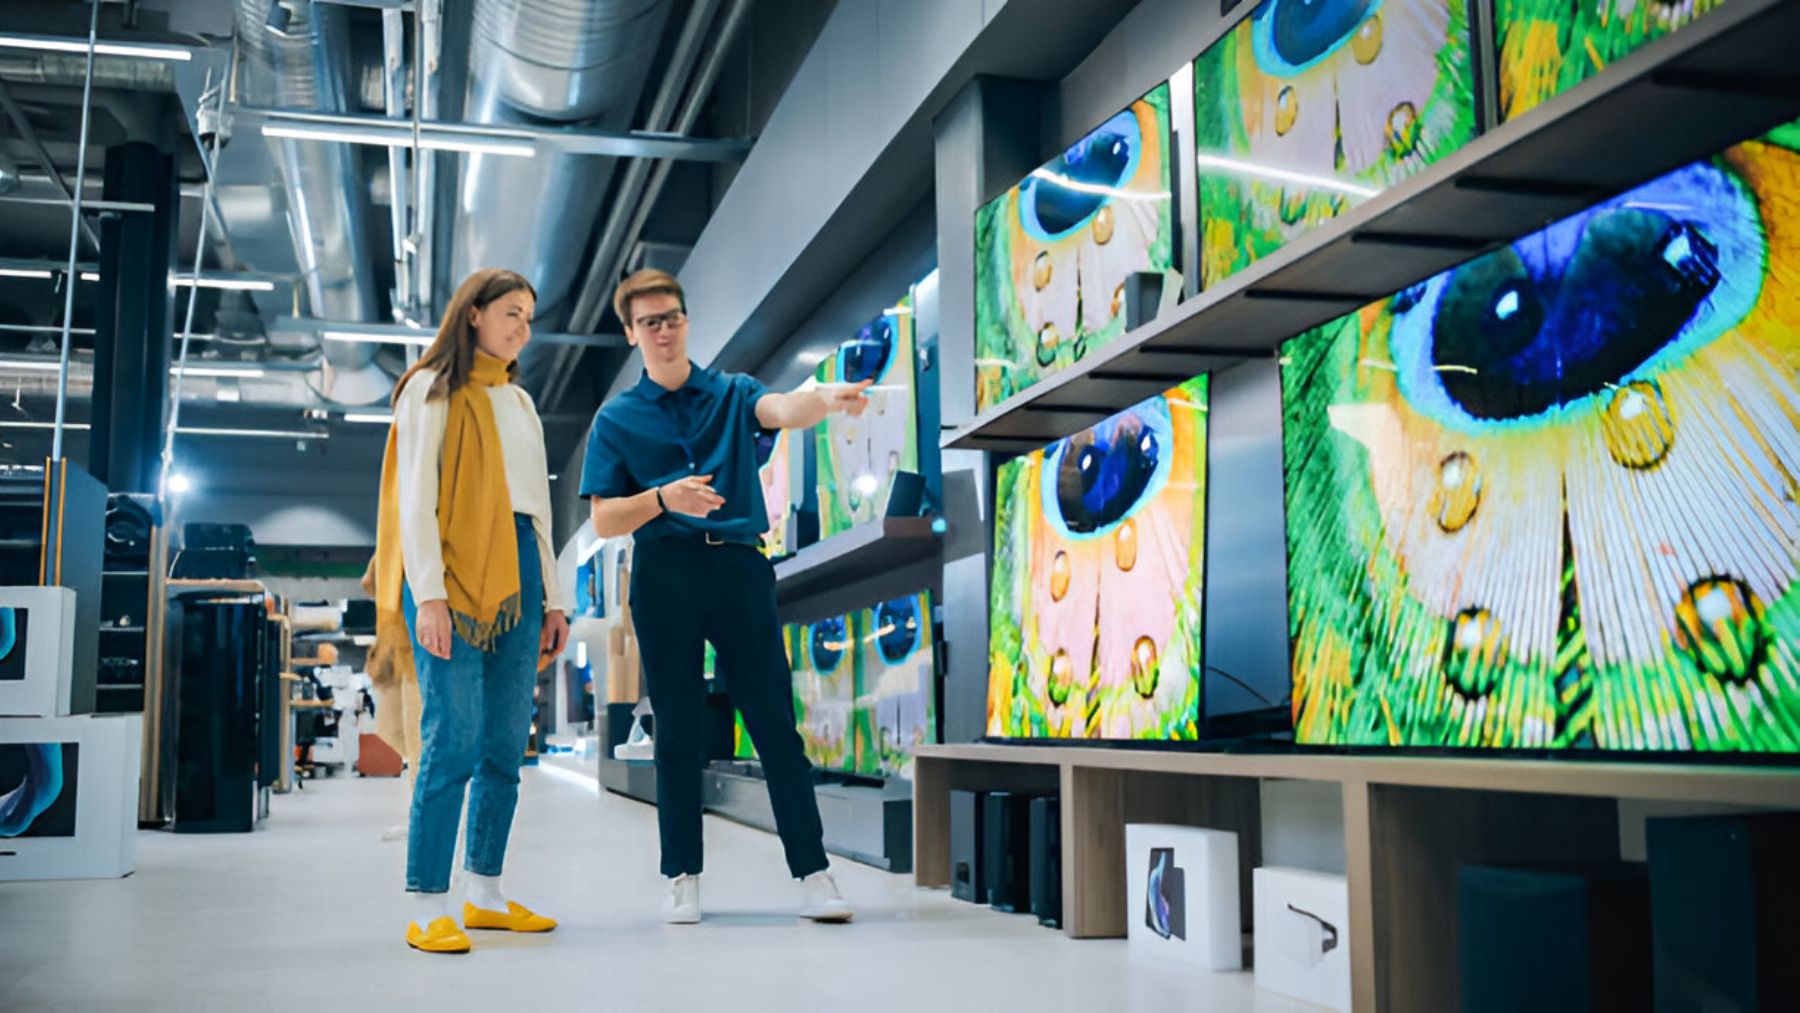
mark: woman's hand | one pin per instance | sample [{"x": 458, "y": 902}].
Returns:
[
  {"x": 693, "y": 496},
  {"x": 435, "y": 632},
  {"x": 556, "y": 634}
]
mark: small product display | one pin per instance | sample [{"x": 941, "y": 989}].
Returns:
[
  {"x": 1545, "y": 499},
  {"x": 859, "y": 457},
  {"x": 37, "y": 651},
  {"x": 898, "y": 684},
  {"x": 1546, "y": 47},
  {"x": 1181, "y": 895},
  {"x": 1053, "y": 254},
  {"x": 1308, "y": 107},
  {"x": 1303, "y": 935},
  {"x": 1095, "y": 606},
  {"x": 69, "y": 796}
]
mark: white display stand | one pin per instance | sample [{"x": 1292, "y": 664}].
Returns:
[
  {"x": 101, "y": 775},
  {"x": 43, "y": 652},
  {"x": 1303, "y": 935},
  {"x": 1181, "y": 900}
]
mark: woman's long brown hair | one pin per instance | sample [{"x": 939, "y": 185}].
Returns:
[{"x": 452, "y": 353}]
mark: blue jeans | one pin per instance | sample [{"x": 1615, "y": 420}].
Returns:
[{"x": 475, "y": 725}]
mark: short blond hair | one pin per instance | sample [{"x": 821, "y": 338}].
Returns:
[{"x": 649, "y": 281}]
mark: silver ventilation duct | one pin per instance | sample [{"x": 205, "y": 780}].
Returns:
[
  {"x": 306, "y": 67},
  {"x": 555, "y": 61}
]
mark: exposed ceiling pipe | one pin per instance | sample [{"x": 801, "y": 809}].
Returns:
[
  {"x": 565, "y": 61},
  {"x": 598, "y": 288},
  {"x": 631, "y": 186},
  {"x": 393, "y": 76},
  {"x": 306, "y": 67},
  {"x": 427, "y": 50},
  {"x": 30, "y": 137}
]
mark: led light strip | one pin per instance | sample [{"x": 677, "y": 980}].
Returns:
[
  {"x": 421, "y": 339},
  {"x": 378, "y": 137},
  {"x": 52, "y": 45},
  {"x": 370, "y": 417}
]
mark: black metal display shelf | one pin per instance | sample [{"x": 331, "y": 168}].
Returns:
[
  {"x": 870, "y": 548},
  {"x": 1730, "y": 75}
]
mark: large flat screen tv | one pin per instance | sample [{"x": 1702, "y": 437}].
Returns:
[
  {"x": 824, "y": 663},
  {"x": 1546, "y": 500},
  {"x": 897, "y": 695},
  {"x": 1052, "y": 254},
  {"x": 858, "y": 456},
  {"x": 1308, "y": 107},
  {"x": 1546, "y": 47},
  {"x": 1095, "y": 608}
]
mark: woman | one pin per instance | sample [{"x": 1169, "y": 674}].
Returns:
[{"x": 465, "y": 516}]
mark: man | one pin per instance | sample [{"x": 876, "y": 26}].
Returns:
[{"x": 673, "y": 461}]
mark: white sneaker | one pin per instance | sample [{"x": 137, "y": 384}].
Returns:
[
  {"x": 821, "y": 901},
  {"x": 683, "y": 904}
]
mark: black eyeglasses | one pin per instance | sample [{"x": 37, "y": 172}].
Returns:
[{"x": 662, "y": 321}]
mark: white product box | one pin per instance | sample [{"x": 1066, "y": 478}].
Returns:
[
  {"x": 1303, "y": 935},
  {"x": 69, "y": 796},
  {"x": 37, "y": 651},
  {"x": 1181, "y": 900}
]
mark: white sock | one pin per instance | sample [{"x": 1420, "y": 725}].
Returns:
[
  {"x": 484, "y": 892},
  {"x": 429, "y": 907}
]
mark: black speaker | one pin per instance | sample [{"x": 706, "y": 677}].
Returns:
[
  {"x": 966, "y": 852},
  {"x": 1554, "y": 940},
  {"x": 1046, "y": 861},
  {"x": 1006, "y": 835},
  {"x": 1723, "y": 891}
]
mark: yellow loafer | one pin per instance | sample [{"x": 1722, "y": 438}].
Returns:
[
  {"x": 516, "y": 918},
  {"x": 441, "y": 936}
]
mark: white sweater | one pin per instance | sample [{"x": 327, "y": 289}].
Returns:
[{"x": 419, "y": 448}]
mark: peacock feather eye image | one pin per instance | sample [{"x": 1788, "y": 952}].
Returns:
[
  {"x": 1546, "y": 47},
  {"x": 1095, "y": 606},
  {"x": 1307, "y": 107},
  {"x": 898, "y": 686},
  {"x": 825, "y": 675},
  {"x": 1547, "y": 499},
  {"x": 1053, "y": 254},
  {"x": 857, "y": 457}
]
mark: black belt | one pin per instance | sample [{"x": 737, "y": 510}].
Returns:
[{"x": 710, "y": 538}]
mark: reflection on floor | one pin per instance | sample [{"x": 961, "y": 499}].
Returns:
[{"x": 307, "y": 914}]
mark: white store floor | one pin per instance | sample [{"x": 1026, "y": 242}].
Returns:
[{"x": 308, "y": 913}]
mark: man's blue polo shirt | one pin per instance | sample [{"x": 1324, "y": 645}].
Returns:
[{"x": 649, "y": 436}]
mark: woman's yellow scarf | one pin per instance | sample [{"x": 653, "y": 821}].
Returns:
[{"x": 475, "y": 517}]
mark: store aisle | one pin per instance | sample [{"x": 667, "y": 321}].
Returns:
[{"x": 307, "y": 914}]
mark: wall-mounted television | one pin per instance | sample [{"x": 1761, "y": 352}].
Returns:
[
  {"x": 1053, "y": 254},
  {"x": 1096, "y": 602},
  {"x": 857, "y": 457},
  {"x": 897, "y": 697},
  {"x": 1546, "y": 499},
  {"x": 1307, "y": 107},
  {"x": 776, "y": 472},
  {"x": 1546, "y": 47}
]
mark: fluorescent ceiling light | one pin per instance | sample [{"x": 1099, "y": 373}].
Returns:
[
  {"x": 51, "y": 45},
  {"x": 244, "y": 372},
  {"x": 518, "y": 147},
  {"x": 43, "y": 425},
  {"x": 422, "y": 339},
  {"x": 1243, "y": 168},
  {"x": 25, "y": 272},
  {"x": 229, "y": 284},
  {"x": 279, "y": 434},
  {"x": 36, "y": 365},
  {"x": 372, "y": 417},
  {"x": 90, "y": 276}
]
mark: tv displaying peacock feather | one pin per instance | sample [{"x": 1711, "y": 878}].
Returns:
[
  {"x": 897, "y": 698},
  {"x": 1547, "y": 47},
  {"x": 858, "y": 456},
  {"x": 775, "y": 473},
  {"x": 1095, "y": 608},
  {"x": 825, "y": 661},
  {"x": 1308, "y": 107},
  {"x": 1547, "y": 499},
  {"x": 1052, "y": 254}
]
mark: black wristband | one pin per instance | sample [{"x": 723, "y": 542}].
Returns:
[{"x": 660, "y": 505}]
